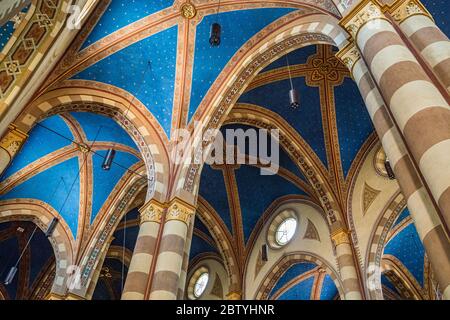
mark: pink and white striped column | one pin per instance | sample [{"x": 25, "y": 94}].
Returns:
[
  {"x": 418, "y": 26},
  {"x": 346, "y": 263},
  {"x": 426, "y": 218},
  {"x": 169, "y": 264},
  {"x": 418, "y": 108},
  {"x": 144, "y": 251}
]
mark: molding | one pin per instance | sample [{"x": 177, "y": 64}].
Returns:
[
  {"x": 152, "y": 212},
  {"x": 340, "y": 236},
  {"x": 13, "y": 140},
  {"x": 180, "y": 210},
  {"x": 365, "y": 11},
  {"x": 349, "y": 56},
  {"x": 402, "y": 10}
]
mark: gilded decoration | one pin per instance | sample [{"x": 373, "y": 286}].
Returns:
[
  {"x": 188, "y": 10},
  {"x": 407, "y": 9},
  {"x": 13, "y": 140},
  {"x": 349, "y": 55},
  {"x": 180, "y": 211},
  {"x": 44, "y": 20},
  {"x": 363, "y": 13},
  {"x": 152, "y": 212},
  {"x": 340, "y": 236}
]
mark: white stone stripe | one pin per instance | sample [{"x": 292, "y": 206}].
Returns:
[
  {"x": 435, "y": 165},
  {"x": 389, "y": 56},
  {"x": 423, "y": 212},
  {"x": 162, "y": 295},
  {"x": 414, "y": 97},
  {"x": 370, "y": 29},
  {"x": 169, "y": 261},
  {"x": 374, "y": 102},
  {"x": 348, "y": 272},
  {"x": 359, "y": 70},
  {"x": 436, "y": 52},
  {"x": 353, "y": 295},
  {"x": 175, "y": 227},
  {"x": 414, "y": 23},
  {"x": 394, "y": 150},
  {"x": 141, "y": 262},
  {"x": 132, "y": 295}
]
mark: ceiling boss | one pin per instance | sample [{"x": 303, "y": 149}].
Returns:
[{"x": 188, "y": 10}]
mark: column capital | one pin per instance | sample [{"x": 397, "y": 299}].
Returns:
[
  {"x": 180, "y": 210},
  {"x": 234, "y": 295},
  {"x": 152, "y": 212},
  {"x": 13, "y": 140},
  {"x": 340, "y": 236},
  {"x": 403, "y": 9},
  {"x": 362, "y": 13},
  {"x": 349, "y": 55}
]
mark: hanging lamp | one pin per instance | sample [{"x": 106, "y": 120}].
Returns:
[
  {"x": 389, "y": 171},
  {"x": 216, "y": 31},
  {"x": 109, "y": 159},
  {"x": 294, "y": 97}
]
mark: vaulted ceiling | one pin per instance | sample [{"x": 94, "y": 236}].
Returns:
[{"x": 169, "y": 67}]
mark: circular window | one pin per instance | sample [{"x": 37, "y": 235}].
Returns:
[
  {"x": 285, "y": 231},
  {"x": 200, "y": 284},
  {"x": 282, "y": 229}
]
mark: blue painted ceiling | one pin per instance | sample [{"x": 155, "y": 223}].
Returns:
[
  {"x": 121, "y": 13},
  {"x": 407, "y": 247},
  {"x": 249, "y": 182},
  {"x": 302, "y": 290},
  {"x": 7, "y": 30},
  {"x": 155, "y": 88},
  {"x": 35, "y": 261},
  {"x": 61, "y": 180}
]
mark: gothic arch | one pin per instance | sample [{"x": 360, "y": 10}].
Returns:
[
  {"x": 286, "y": 34},
  {"x": 62, "y": 240},
  {"x": 298, "y": 150},
  {"x": 94, "y": 252},
  {"x": 377, "y": 243},
  {"x": 128, "y": 112},
  {"x": 285, "y": 263},
  {"x": 222, "y": 237}
]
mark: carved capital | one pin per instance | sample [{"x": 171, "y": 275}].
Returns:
[
  {"x": 364, "y": 12},
  {"x": 180, "y": 211},
  {"x": 402, "y": 10},
  {"x": 152, "y": 212},
  {"x": 349, "y": 55},
  {"x": 340, "y": 236},
  {"x": 234, "y": 296},
  {"x": 13, "y": 140}
]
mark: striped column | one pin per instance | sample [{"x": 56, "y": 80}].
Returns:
[
  {"x": 169, "y": 263},
  {"x": 140, "y": 265},
  {"x": 418, "y": 26},
  {"x": 10, "y": 145},
  {"x": 417, "y": 106},
  {"x": 344, "y": 256},
  {"x": 185, "y": 265},
  {"x": 423, "y": 212}
]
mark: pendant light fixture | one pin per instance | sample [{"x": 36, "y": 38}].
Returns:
[
  {"x": 13, "y": 271},
  {"x": 389, "y": 171},
  {"x": 10, "y": 277},
  {"x": 109, "y": 159},
  {"x": 51, "y": 227},
  {"x": 216, "y": 31},
  {"x": 294, "y": 97}
]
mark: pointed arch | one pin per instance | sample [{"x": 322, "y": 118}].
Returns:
[{"x": 61, "y": 240}]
